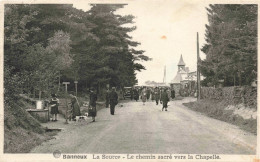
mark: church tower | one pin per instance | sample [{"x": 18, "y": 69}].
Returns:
[{"x": 181, "y": 64}]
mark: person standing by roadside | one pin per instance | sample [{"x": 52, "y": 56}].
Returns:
[
  {"x": 107, "y": 98},
  {"x": 54, "y": 104},
  {"x": 113, "y": 97},
  {"x": 75, "y": 107},
  {"x": 92, "y": 110},
  {"x": 164, "y": 99}
]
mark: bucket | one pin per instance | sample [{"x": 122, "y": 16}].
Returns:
[{"x": 39, "y": 104}]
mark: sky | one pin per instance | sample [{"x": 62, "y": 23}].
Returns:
[{"x": 166, "y": 29}]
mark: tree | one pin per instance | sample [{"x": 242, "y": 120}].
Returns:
[
  {"x": 114, "y": 51},
  {"x": 59, "y": 46},
  {"x": 45, "y": 44},
  {"x": 231, "y": 48}
]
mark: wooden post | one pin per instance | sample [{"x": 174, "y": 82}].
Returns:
[
  {"x": 66, "y": 94},
  {"x": 198, "y": 71}
]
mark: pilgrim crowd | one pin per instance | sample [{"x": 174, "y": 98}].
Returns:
[{"x": 157, "y": 95}]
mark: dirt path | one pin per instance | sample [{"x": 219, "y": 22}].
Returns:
[{"x": 146, "y": 129}]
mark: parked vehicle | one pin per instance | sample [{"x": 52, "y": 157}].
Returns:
[{"x": 127, "y": 92}]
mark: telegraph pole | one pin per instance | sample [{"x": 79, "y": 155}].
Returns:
[
  {"x": 66, "y": 95},
  {"x": 198, "y": 71}
]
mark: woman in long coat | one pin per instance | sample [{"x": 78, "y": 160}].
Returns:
[
  {"x": 144, "y": 96},
  {"x": 75, "y": 107},
  {"x": 152, "y": 94},
  {"x": 54, "y": 106},
  {"x": 92, "y": 111}
]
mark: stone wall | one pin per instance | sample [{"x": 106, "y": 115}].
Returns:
[{"x": 232, "y": 95}]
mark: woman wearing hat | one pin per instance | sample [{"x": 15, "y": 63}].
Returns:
[{"x": 54, "y": 106}]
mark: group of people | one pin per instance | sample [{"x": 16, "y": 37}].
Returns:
[
  {"x": 158, "y": 94},
  {"x": 111, "y": 97}
]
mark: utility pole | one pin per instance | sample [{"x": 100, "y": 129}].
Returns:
[
  {"x": 66, "y": 95},
  {"x": 198, "y": 71}
]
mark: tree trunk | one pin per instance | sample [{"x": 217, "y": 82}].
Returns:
[
  {"x": 98, "y": 88},
  {"x": 40, "y": 94},
  {"x": 240, "y": 80},
  {"x": 234, "y": 80},
  {"x": 59, "y": 82},
  {"x": 34, "y": 93}
]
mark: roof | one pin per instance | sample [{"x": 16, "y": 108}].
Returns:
[
  {"x": 177, "y": 78},
  {"x": 181, "y": 62}
]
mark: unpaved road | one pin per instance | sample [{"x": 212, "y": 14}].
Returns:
[{"x": 146, "y": 129}]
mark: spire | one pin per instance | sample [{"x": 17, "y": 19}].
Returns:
[
  {"x": 164, "y": 76},
  {"x": 181, "y": 62}
]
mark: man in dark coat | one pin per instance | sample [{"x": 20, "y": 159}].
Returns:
[
  {"x": 92, "y": 111},
  {"x": 148, "y": 93},
  {"x": 113, "y": 100},
  {"x": 136, "y": 94},
  {"x": 107, "y": 98},
  {"x": 172, "y": 93},
  {"x": 164, "y": 99},
  {"x": 132, "y": 94},
  {"x": 157, "y": 95}
]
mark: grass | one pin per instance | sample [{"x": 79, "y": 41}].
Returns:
[
  {"x": 22, "y": 132},
  {"x": 19, "y": 140},
  {"x": 216, "y": 109}
]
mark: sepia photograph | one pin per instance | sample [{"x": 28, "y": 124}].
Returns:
[{"x": 130, "y": 80}]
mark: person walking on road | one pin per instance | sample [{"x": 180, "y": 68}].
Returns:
[
  {"x": 144, "y": 95},
  {"x": 148, "y": 93},
  {"x": 157, "y": 95},
  {"x": 54, "y": 104},
  {"x": 107, "y": 98},
  {"x": 169, "y": 93},
  {"x": 172, "y": 93},
  {"x": 74, "y": 107},
  {"x": 113, "y": 97},
  {"x": 136, "y": 95},
  {"x": 152, "y": 95},
  {"x": 92, "y": 110},
  {"x": 164, "y": 99},
  {"x": 132, "y": 94}
]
